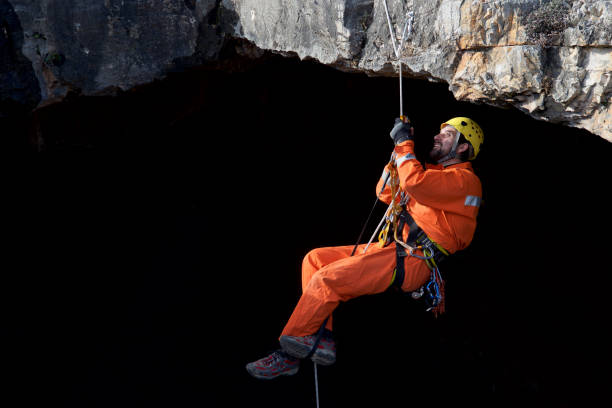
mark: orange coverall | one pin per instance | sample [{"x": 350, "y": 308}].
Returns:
[{"x": 444, "y": 202}]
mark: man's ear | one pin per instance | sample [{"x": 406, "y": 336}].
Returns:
[{"x": 463, "y": 147}]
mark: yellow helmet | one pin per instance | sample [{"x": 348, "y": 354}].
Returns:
[{"x": 469, "y": 129}]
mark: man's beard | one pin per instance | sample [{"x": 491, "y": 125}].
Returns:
[{"x": 436, "y": 153}]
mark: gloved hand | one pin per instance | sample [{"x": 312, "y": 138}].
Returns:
[{"x": 401, "y": 132}]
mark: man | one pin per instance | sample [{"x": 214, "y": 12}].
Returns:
[{"x": 441, "y": 200}]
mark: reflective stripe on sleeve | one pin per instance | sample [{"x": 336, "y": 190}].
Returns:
[
  {"x": 473, "y": 201},
  {"x": 399, "y": 161}
]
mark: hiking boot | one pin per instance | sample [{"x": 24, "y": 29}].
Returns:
[
  {"x": 300, "y": 347},
  {"x": 277, "y": 363}
]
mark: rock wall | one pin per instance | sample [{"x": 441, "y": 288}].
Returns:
[{"x": 551, "y": 59}]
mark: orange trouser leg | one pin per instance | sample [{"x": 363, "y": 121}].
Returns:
[
  {"x": 330, "y": 275},
  {"x": 319, "y": 258}
]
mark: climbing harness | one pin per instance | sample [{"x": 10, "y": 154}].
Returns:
[
  {"x": 433, "y": 253},
  {"x": 395, "y": 219}
]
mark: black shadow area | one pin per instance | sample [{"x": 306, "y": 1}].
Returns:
[{"x": 156, "y": 237}]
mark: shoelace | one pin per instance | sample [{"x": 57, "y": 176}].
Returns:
[{"x": 275, "y": 357}]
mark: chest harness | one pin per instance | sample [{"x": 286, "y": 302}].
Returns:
[{"x": 396, "y": 218}]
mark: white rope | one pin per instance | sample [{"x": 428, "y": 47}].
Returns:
[
  {"x": 391, "y": 30},
  {"x": 316, "y": 383},
  {"x": 401, "y": 91},
  {"x": 398, "y": 48}
]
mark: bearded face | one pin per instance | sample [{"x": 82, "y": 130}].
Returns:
[{"x": 443, "y": 143}]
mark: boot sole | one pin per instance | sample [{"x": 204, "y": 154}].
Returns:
[
  {"x": 299, "y": 350},
  {"x": 254, "y": 373}
]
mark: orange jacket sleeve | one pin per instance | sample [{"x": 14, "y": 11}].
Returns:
[{"x": 385, "y": 195}]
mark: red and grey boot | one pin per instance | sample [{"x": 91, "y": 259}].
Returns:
[
  {"x": 302, "y": 347},
  {"x": 276, "y": 364}
]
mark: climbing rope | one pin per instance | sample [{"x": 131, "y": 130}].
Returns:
[
  {"x": 316, "y": 383},
  {"x": 398, "y": 48},
  {"x": 435, "y": 287},
  {"x": 392, "y": 213},
  {"x": 395, "y": 204},
  {"x": 393, "y": 207}
]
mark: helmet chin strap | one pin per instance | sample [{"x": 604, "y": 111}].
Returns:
[{"x": 453, "y": 153}]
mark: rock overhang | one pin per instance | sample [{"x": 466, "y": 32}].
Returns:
[{"x": 486, "y": 51}]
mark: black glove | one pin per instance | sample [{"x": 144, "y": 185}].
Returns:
[{"x": 401, "y": 132}]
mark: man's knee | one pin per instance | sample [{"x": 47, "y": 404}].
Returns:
[
  {"x": 322, "y": 285},
  {"x": 313, "y": 259}
]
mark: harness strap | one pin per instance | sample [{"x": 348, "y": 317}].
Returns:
[
  {"x": 433, "y": 252},
  {"x": 404, "y": 219},
  {"x": 400, "y": 273},
  {"x": 415, "y": 230},
  {"x": 400, "y": 252}
]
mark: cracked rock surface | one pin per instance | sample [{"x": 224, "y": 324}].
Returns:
[{"x": 552, "y": 59}]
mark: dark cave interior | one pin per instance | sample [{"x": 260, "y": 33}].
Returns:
[{"x": 155, "y": 239}]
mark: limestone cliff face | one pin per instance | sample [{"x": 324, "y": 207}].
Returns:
[
  {"x": 495, "y": 52},
  {"x": 550, "y": 58}
]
